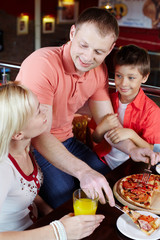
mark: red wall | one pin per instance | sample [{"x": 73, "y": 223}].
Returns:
[{"x": 146, "y": 38}]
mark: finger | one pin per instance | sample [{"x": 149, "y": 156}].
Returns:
[
  {"x": 110, "y": 133},
  {"x": 109, "y": 194},
  {"x": 91, "y": 218}
]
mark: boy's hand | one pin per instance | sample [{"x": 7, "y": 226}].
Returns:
[
  {"x": 119, "y": 134},
  {"x": 109, "y": 122}
]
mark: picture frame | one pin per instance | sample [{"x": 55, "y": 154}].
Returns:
[
  {"x": 68, "y": 13},
  {"x": 48, "y": 23},
  {"x": 22, "y": 24}
]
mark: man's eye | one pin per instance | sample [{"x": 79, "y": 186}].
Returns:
[
  {"x": 98, "y": 52},
  {"x": 83, "y": 46}
]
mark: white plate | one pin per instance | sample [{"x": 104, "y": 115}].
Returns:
[
  {"x": 158, "y": 168},
  {"x": 126, "y": 226}
]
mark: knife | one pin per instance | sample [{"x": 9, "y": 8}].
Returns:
[{"x": 116, "y": 205}]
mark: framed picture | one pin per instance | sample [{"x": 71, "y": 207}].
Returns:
[
  {"x": 67, "y": 13},
  {"x": 22, "y": 24},
  {"x": 48, "y": 24}
]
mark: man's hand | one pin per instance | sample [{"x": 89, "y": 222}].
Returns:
[
  {"x": 91, "y": 179},
  {"x": 144, "y": 155}
]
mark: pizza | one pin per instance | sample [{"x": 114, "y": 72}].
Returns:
[
  {"x": 147, "y": 223},
  {"x": 134, "y": 191}
]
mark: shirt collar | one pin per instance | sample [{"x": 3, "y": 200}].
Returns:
[{"x": 139, "y": 99}]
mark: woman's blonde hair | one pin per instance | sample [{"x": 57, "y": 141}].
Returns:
[{"x": 16, "y": 106}]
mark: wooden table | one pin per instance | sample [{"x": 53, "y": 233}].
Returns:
[{"x": 107, "y": 230}]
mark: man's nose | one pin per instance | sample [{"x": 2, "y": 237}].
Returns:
[{"x": 88, "y": 56}]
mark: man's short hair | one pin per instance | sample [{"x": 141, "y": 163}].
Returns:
[
  {"x": 103, "y": 19},
  {"x": 135, "y": 56}
]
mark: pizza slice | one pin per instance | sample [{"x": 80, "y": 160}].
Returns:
[{"x": 147, "y": 224}]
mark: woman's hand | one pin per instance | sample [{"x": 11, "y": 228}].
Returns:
[{"x": 78, "y": 227}]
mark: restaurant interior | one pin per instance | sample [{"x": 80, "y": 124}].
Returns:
[{"x": 28, "y": 25}]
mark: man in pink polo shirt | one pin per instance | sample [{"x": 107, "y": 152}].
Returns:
[{"x": 64, "y": 78}]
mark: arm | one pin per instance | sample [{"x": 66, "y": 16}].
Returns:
[
  {"x": 99, "y": 109},
  {"x": 119, "y": 134},
  {"x": 76, "y": 227},
  {"x": 110, "y": 121},
  {"x": 137, "y": 154},
  {"x": 54, "y": 151},
  {"x": 42, "y": 206}
]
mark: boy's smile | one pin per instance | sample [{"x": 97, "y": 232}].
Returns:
[{"x": 128, "y": 81}]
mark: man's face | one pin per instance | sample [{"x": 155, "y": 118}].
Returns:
[{"x": 89, "y": 48}]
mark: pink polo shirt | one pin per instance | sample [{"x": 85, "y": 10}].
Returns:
[{"x": 50, "y": 73}]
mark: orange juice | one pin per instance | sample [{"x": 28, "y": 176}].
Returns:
[{"x": 85, "y": 206}]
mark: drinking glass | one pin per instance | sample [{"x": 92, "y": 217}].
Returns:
[{"x": 85, "y": 202}]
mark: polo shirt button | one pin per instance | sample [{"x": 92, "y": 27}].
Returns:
[{"x": 33, "y": 176}]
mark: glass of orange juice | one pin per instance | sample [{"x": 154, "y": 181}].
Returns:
[{"x": 85, "y": 202}]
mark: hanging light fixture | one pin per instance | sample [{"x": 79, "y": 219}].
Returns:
[{"x": 108, "y": 5}]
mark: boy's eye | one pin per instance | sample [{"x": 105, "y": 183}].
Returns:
[
  {"x": 118, "y": 76},
  {"x": 131, "y": 78}
]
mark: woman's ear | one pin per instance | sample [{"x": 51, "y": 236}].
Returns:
[
  {"x": 72, "y": 32},
  {"x": 18, "y": 136},
  {"x": 145, "y": 78}
]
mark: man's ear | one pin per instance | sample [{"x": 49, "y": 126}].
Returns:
[
  {"x": 18, "y": 136},
  {"x": 72, "y": 32},
  {"x": 145, "y": 78},
  {"x": 111, "y": 48}
]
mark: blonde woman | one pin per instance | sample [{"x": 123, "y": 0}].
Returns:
[{"x": 20, "y": 177}]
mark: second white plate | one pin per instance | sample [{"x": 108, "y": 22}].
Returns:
[{"x": 126, "y": 226}]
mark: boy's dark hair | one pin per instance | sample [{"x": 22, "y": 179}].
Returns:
[
  {"x": 133, "y": 55},
  {"x": 105, "y": 21}
]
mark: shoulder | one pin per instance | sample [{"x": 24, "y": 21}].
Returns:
[
  {"x": 43, "y": 54},
  {"x": 6, "y": 169},
  {"x": 151, "y": 106},
  {"x": 148, "y": 104},
  {"x": 6, "y": 178}
]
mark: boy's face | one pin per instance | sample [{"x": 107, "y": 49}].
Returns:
[
  {"x": 89, "y": 48},
  {"x": 128, "y": 81}
]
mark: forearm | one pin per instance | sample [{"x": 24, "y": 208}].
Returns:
[
  {"x": 54, "y": 151},
  {"x": 42, "y": 206},
  {"x": 42, "y": 233},
  {"x": 139, "y": 142},
  {"x": 99, "y": 132},
  {"x": 125, "y": 145}
]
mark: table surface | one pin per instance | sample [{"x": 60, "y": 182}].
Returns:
[{"x": 107, "y": 229}]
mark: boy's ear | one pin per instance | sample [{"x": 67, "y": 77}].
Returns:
[
  {"x": 72, "y": 32},
  {"x": 145, "y": 78},
  {"x": 18, "y": 136}
]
